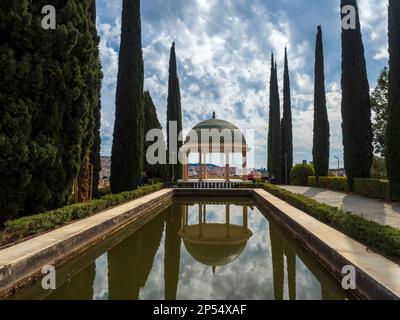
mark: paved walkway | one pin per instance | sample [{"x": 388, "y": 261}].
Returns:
[{"x": 381, "y": 212}]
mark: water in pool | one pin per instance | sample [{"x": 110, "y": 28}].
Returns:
[{"x": 195, "y": 249}]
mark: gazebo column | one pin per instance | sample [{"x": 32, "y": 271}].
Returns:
[
  {"x": 245, "y": 217},
  {"x": 186, "y": 167},
  {"x": 228, "y": 220},
  {"x": 227, "y": 169},
  {"x": 200, "y": 168},
  {"x": 244, "y": 166},
  {"x": 205, "y": 166}
]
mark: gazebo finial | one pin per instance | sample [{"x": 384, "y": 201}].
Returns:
[{"x": 213, "y": 115}]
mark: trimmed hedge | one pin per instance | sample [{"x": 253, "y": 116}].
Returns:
[
  {"x": 331, "y": 183},
  {"x": 31, "y": 225},
  {"x": 373, "y": 188},
  {"x": 384, "y": 239},
  {"x": 300, "y": 173}
]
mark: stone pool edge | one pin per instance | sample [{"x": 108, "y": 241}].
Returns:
[{"x": 22, "y": 263}]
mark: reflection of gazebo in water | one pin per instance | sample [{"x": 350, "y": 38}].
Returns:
[
  {"x": 215, "y": 244},
  {"x": 214, "y": 136}
]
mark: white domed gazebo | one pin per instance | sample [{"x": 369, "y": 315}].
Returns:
[{"x": 214, "y": 136}]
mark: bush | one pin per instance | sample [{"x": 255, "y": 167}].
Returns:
[
  {"x": 28, "y": 226},
  {"x": 384, "y": 239},
  {"x": 300, "y": 173},
  {"x": 373, "y": 188},
  {"x": 332, "y": 183}
]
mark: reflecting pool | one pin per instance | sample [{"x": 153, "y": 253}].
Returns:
[{"x": 195, "y": 249}]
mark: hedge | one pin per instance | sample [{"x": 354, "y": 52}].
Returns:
[
  {"x": 300, "y": 173},
  {"x": 383, "y": 239},
  {"x": 31, "y": 225},
  {"x": 373, "y": 188},
  {"x": 331, "y": 183}
]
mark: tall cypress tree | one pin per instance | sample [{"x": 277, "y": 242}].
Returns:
[
  {"x": 49, "y": 82},
  {"x": 127, "y": 149},
  {"x": 274, "y": 133},
  {"x": 286, "y": 126},
  {"x": 356, "y": 104},
  {"x": 393, "y": 129},
  {"x": 151, "y": 122},
  {"x": 321, "y": 123},
  {"x": 95, "y": 158},
  {"x": 174, "y": 113},
  {"x": 15, "y": 106}
]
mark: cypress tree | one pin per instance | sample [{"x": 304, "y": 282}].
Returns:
[
  {"x": 274, "y": 133},
  {"x": 286, "y": 126},
  {"x": 174, "y": 113},
  {"x": 151, "y": 122},
  {"x": 49, "y": 78},
  {"x": 88, "y": 176},
  {"x": 321, "y": 124},
  {"x": 356, "y": 104},
  {"x": 15, "y": 106},
  {"x": 128, "y": 145},
  {"x": 95, "y": 158},
  {"x": 393, "y": 129}
]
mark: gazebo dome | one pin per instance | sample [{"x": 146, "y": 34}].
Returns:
[
  {"x": 219, "y": 126},
  {"x": 213, "y": 247}
]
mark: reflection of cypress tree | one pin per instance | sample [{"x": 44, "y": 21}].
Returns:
[
  {"x": 172, "y": 252},
  {"x": 78, "y": 288},
  {"x": 277, "y": 263},
  {"x": 130, "y": 262},
  {"x": 291, "y": 271}
]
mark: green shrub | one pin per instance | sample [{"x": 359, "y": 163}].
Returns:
[
  {"x": 373, "y": 188},
  {"x": 300, "y": 174},
  {"x": 332, "y": 183},
  {"x": 27, "y": 226},
  {"x": 384, "y": 239}
]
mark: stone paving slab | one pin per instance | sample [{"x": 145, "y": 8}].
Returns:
[
  {"x": 333, "y": 247},
  {"x": 384, "y": 213}
]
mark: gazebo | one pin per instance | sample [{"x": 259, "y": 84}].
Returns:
[
  {"x": 215, "y": 244},
  {"x": 214, "y": 136}
]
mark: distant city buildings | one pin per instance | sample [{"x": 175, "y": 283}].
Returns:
[{"x": 213, "y": 171}]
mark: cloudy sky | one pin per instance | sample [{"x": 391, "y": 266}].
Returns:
[{"x": 223, "y": 49}]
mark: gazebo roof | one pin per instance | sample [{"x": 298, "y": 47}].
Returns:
[
  {"x": 214, "y": 247},
  {"x": 220, "y": 131}
]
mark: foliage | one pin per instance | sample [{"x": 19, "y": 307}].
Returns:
[
  {"x": 378, "y": 170},
  {"x": 151, "y": 122},
  {"x": 393, "y": 127},
  {"x": 379, "y": 104},
  {"x": 286, "y": 127},
  {"x": 373, "y": 188},
  {"x": 27, "y": 226},
  {"x": 300, "y": 173},
  {"x": 384, "y": 239},
  {"x": 356, "y": 104},
  {"x": 174, "y": 112},
  {"x": 274, "y": 130},
  {"x": 321, "y": 124},
  {"x": 331, "y": 183},
  {"x": 49, "y": 87},
  {"x": 128, "y": 142}
]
